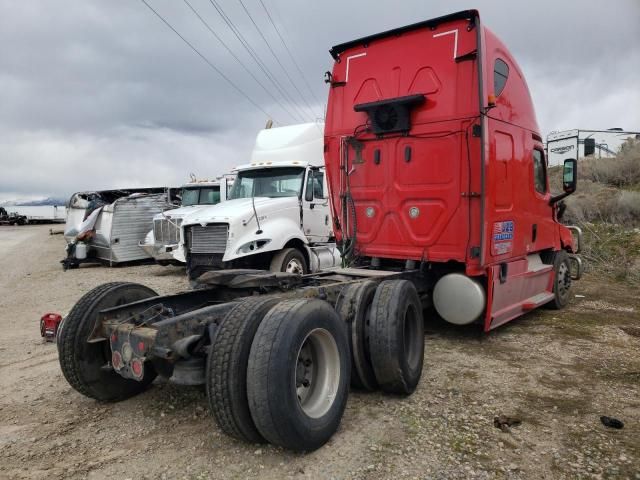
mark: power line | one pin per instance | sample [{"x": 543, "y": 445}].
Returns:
[
  {"x": 206, "y": 60},
  {"x": 238, "y": 59},
  {"x": 284, "y": 69},
  {"x": 255, "y": 57},
  {"x": 302, "y": 75}
]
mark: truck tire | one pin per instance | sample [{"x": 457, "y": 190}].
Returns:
[
  {"x": 226, "y": 375},
  {"x": 354, "y": 307},
  {"x": 83, "y": 363},
  {"x": 561, "y": 281},
  {"x": 289, "y": 260},
  {"x": 396, "y": 339},
  {"x": 298, "y": 375}
]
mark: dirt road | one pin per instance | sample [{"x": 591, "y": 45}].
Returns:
[{"x": 556, "y": 371}]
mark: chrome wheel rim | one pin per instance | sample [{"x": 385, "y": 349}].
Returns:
[
  {"x": 294, "y": 266},
  {"x": 564, "y": 280},
  {"x": 317, "y": 373}
]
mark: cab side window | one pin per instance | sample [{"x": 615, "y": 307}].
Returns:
[
  {"x": 539, "y": 172},
  {"x": 318, "y": 184},
  {"x": 500, "y": 75}
]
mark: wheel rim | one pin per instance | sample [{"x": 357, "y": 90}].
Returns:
[
  {"x": 411, "y": 333},
  {"x": 317, "y": 373},
  {"x": 294, "y": 266},
  {"x": 564, "y": 280}
]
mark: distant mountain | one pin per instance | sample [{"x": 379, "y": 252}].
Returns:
[{"x": 35, "y": 203}]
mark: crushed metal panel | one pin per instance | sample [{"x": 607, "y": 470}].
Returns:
[{"x": 125, "y": 225}]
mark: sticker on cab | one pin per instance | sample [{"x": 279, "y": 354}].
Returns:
[{"x": 502, "y": 238}]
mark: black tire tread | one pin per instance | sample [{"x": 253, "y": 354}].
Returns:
[
  {"x": 364, "y": 380},
  {"x": 226, "y": 384},
  {"x": 383, "y": 343},
  {"x": 257, "y": 378},
  {"x": 73, "y": 322}
]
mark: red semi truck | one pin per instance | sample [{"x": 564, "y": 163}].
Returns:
[{"x": 441, "y": 205}]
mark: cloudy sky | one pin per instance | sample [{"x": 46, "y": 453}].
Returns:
[{"x": 99, "y": 94}]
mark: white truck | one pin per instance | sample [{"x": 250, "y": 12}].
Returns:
[
  {"x": 163, "y": 240},
  {"x": 277, "y": 216}
]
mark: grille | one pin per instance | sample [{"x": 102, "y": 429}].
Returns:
[
  {"x": 167, "y": 232},
  {"x": 209, "y": 239}
]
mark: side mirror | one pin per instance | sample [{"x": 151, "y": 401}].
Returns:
[
  {"x": 570, "y": 175},
  {"x": 569, "y": 179},
  {"x": 308, "y": 192}
]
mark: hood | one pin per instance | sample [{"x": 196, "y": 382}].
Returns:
[
  {"x": 239, "y": 209},
  {"x": 181, "y": 212}
]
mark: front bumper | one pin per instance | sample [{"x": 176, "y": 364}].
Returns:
[{"x": 159, "y": 251}]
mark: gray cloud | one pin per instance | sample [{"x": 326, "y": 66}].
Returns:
[{"x": 98, "y": 94}]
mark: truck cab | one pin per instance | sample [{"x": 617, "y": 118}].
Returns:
[
  {"x": 435, "y": 157},
  {"x": 162, "y": 241},
  {"x": 277, "y": 216}
]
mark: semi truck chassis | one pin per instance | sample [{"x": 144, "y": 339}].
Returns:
[{"x": 276, "y": 351}]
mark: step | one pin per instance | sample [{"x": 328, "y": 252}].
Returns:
[{"x": 537, "y": 300}]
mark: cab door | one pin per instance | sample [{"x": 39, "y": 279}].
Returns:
[{"x": 316, "y": 222}]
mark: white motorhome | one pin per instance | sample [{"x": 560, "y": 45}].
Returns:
[
  {"x": 163, "y": 239},
  {"x": 277, "y": 216},
  {"x": 585, "y": 143}
]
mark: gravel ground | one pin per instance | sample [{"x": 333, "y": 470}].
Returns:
[{"x": 557, "y": 372}]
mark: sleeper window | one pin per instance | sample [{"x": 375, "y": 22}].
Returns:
[
  {"x": 539, "y": 172},
  {"x": 500, "y": 75}
]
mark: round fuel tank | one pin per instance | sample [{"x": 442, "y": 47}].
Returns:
[{"x": 459, "y": 299}]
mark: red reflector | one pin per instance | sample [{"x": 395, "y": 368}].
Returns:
[
  {"x": 116, "y": 360},
  {"x": 114, "y": 337},
  {"x": 136, "y": 368},
  {"x": 141, "y": 346}
]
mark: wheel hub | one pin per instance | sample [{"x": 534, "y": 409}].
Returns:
[
  {"x": 317, "y": 373},
  {"x": 294, "y": 266},
  {"x": 564, "y": 280}
]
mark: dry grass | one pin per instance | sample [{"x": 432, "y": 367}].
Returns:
[{"x": 607, "y": 207}]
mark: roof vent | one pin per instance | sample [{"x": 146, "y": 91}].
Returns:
[{"x": 392, "y": 115}]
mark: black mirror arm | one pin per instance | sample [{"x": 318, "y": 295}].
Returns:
[{"x": 555, "y": 199}]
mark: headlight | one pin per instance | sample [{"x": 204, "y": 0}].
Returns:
[{"x": 252, "y": 246}]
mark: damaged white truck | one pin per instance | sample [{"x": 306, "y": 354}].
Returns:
[
  {"x": 277, "y": 214},
  {"x": 163, "y": 239}
]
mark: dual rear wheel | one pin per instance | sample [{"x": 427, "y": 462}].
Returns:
[{"x": 279, "y": 371}]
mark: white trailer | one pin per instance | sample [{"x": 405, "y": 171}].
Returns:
[{"x": 585, "y": 143}]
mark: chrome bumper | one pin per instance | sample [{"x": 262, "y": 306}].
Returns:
[
  {"x": 158, "y": 251},
  {"x": 577, "y": 267},
  {"x": 577, "y": 233}
]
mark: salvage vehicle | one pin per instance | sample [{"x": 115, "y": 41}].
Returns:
[
  {"x": 12, "y": 218},
  {"x": 107, "y": 226},
  {"x": 441, "y": 204},
  {"x": 277, "y": 214},
  {"x": 162, "y": 241}
]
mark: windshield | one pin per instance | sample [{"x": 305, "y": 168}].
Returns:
[
  {"x": 200, "y": 196},
  {"x": 268, "y": 182}
]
